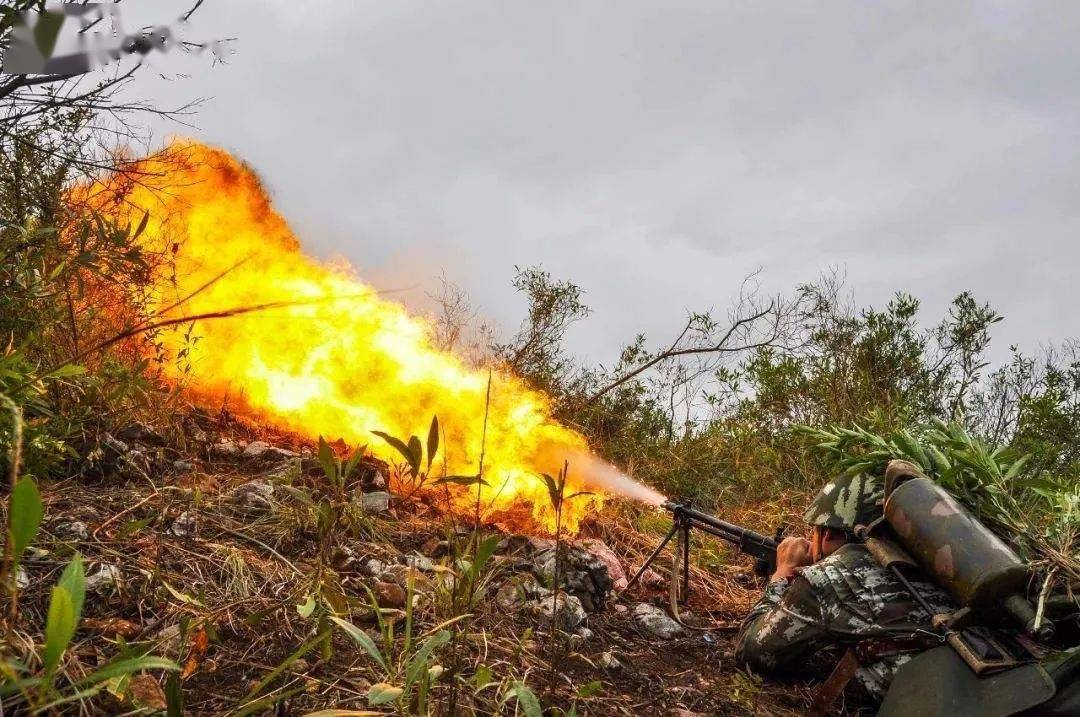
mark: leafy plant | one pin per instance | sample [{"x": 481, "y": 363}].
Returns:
[
  {"x": 405, "y": 669},
  {"x": 417, "y": 469},
  {"x": 1035, "y": 510}
]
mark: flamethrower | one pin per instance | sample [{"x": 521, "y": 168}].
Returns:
[{"x": 685, "y": 518}]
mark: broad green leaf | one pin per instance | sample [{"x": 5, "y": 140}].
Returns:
[
  {"x": 418, "y": 663},
  {"x": 142, "y": 226},
  {"x": 327, "y": 460},
  {"x": 432, "y": 441},
  {"x": 527, "y": 700},
  {"x": 1016, "y": 467},
  {"x": 416, "y": 453},
  {"x": 182, "y": 597},
  {"x": 59, "y": 628},
  {"x": 26, "y": 514},
  {"x": 66, "y": 371},
  {"x": 174, "y": 696},
  {"x": 462, "y": 480},
  {"x": 589, "y": 689},
  {"x": 362, "y": 639},
  {"x": 128, "y": 666},
  {"x": 307, "y": 607},
  {"x": 354, "y": 460},
  {"x": 383, "y": 692},
  {"x": 398, "y": 445},
  {"x": 482, "y": 677},
  {"x": 552, "y": 488},
  {"x": 483, "y": 553},
  {"x": 73, "y": 580}
]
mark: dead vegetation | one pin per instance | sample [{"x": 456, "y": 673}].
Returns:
[{"x": 194, "y": 566}]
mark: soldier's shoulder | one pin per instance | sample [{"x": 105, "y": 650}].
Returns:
[{"x": 852, "y": 559}]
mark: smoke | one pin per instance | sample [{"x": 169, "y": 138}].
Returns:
[{"x": 602, "y": 475}]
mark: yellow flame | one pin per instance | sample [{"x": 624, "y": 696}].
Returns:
[{"x": 344, "y": 363}]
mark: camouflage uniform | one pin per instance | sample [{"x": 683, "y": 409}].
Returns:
[{"x": 844, "y": 599}]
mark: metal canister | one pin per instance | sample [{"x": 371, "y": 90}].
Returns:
[{"x": 975, "y": 566}]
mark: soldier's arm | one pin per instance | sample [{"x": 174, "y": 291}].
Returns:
[{"x": 784, "y": 626}]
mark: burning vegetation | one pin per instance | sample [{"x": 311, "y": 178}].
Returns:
[{"x": 329, "y": 355}]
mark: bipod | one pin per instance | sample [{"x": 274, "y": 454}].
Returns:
[{"x": 681, "y": 525}]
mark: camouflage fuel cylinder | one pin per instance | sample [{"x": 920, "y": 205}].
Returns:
[{"x": 962, "y": 554}]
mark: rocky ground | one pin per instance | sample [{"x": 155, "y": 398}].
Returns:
[{"x": 206, "y": 549}]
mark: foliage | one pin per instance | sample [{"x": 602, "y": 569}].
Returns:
[
  {"x": 403, "y": 669},
  {"x": 1037, "y": 511},
  {"x": 33, "y": 679},
  {"x": 69, "y": 280}
]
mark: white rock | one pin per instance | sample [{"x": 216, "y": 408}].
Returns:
[
  {"x": 608, "y": 661},
  {"x": 373, "y": 567},
  {"x": 655, "y": 621},
  {"x": 184, "y": 525},
  {"x": 569, "y": 609},
  {"x": 72, "y": 530},
  {"x": 105, "y": 579},
  {"x": 377, "y": 502},
  {"x": 263, "y": 451},
  {"x": 254, "y": 495},
  {"x": 22, "y": 579},
  {"x": 419, "y": 562},
  {"x": 225, "y": 449}
]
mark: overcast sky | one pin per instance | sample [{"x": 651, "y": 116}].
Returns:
[{"x": 658, "y": 152}]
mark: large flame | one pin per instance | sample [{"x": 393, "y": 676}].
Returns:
[{"x": 344, "y": 362}]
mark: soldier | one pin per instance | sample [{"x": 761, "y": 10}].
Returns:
[{"x": 829, "y": 591}]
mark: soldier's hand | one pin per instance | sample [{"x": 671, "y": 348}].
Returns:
[{"x": 793, "y": 552}]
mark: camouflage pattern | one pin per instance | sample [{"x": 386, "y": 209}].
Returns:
[
  {"x": 961, "y": 554},
  {"x": 845, "y": 502},
  {"x": 844, "y": 599}
]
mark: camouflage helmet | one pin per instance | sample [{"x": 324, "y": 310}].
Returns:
[{"x": 845, "y": 502}]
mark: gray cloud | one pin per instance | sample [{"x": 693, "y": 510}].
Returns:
[{"x": 658, "y": 152}]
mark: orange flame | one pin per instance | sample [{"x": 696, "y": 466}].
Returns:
[{"x": 344, "y": 362}]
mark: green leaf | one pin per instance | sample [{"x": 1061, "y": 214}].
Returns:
[
  {"x": 284, "y": 665},
  {"x": 382, "y": 692},
  {"x": 73, "y": 580},
  {"x": 398, "y": 445},
  {"x": 432, "y": 441},
  {"x": 1016, "y": 467},
  {"x": 482, "y": 677},
  {"x": 127, "y": 666},
  {"x": 416, "y": 452},
  {"x": 589, "y": 689},
  {"x": 553, "y": 490},
  {"x": 66, "y": 371},
  {"x": 26, "y": 514},
  {"x": 527, "y": 700},
  {"x": 362, "y": 639},
  {"x": 174, "y": 696},
  {"x": 142, "y": 226},
  {"x": 418, "y": 663},
  {"x": 462, "y": 480},
  {"x": 354, "y": 460},
  {"x": 483, "y": 553},
  {"x": 327, "y": 460},
  {"x": 59, "y": 628},
  {"x": 307, "y": 607}
]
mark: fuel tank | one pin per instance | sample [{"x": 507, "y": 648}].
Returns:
[{"x": 976, "y": 567}]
